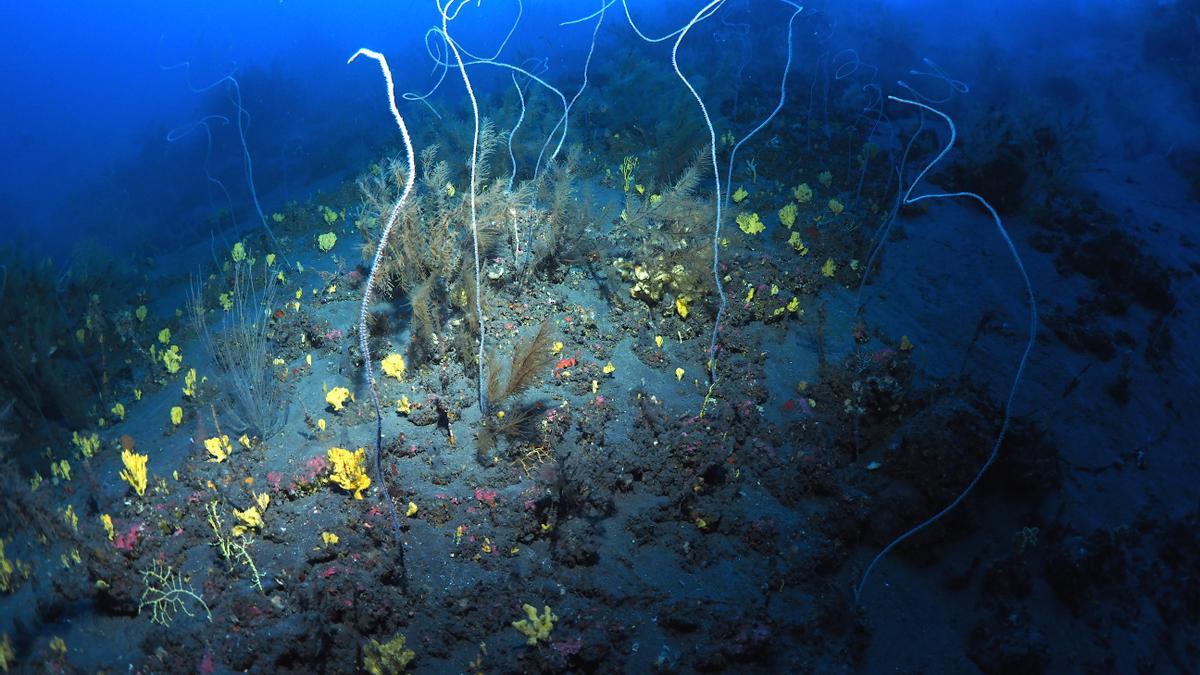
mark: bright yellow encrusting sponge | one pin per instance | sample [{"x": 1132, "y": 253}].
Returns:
[
  {"x": 795, "y": 242},
  {"x": 337, "y": 398},
  {"x": 172, "y": 359},
  {"x": 749, "y": 223},
  {"x": 327, "y": 241},
  {"x": 252, "y": 517},
  {"x": 393, "y": 365},
  {"x": 189, "y": 383},
  {"x": 387, "y": 658},
  {"x": 829, "y": 268},
  {"x": 681, "y": 307},
  {"x": 87, "y": 444},
  {"x": 135, "y": 470},
  {"x": 536, "y": 628},
  {"x": 787, "y": 215},
  {"x": 348, "y": 472},
  {"x": 219, "y": 448}
]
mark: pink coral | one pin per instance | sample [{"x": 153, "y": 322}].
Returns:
[
  {"x": 486, "y": 496},
  {"x": 127, "y": 540},
  {"x": 315, "y": 466}
]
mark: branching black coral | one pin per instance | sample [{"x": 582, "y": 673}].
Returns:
[
  {"x": 240, "y": 352},
  {"x": 662, "y": 219},
  {"x": 43, "y": 367},
  {"x": 530, "y": 359},
  {"x": 429, "y": 255},
  {"x": 561, "y": 239}
]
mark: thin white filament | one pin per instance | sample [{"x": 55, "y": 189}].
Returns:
[
  {"x": 782, "y": 99},
  {"x": 567, "y": 111},
  {"x": 363, "y": 343},
  {"x": 712, "y": 144},
  {"x": 462, "y": 69},
  {"x": 1033, "y": 321}
]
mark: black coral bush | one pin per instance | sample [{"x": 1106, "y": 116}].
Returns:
[{"x": 506, "y": 417}]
